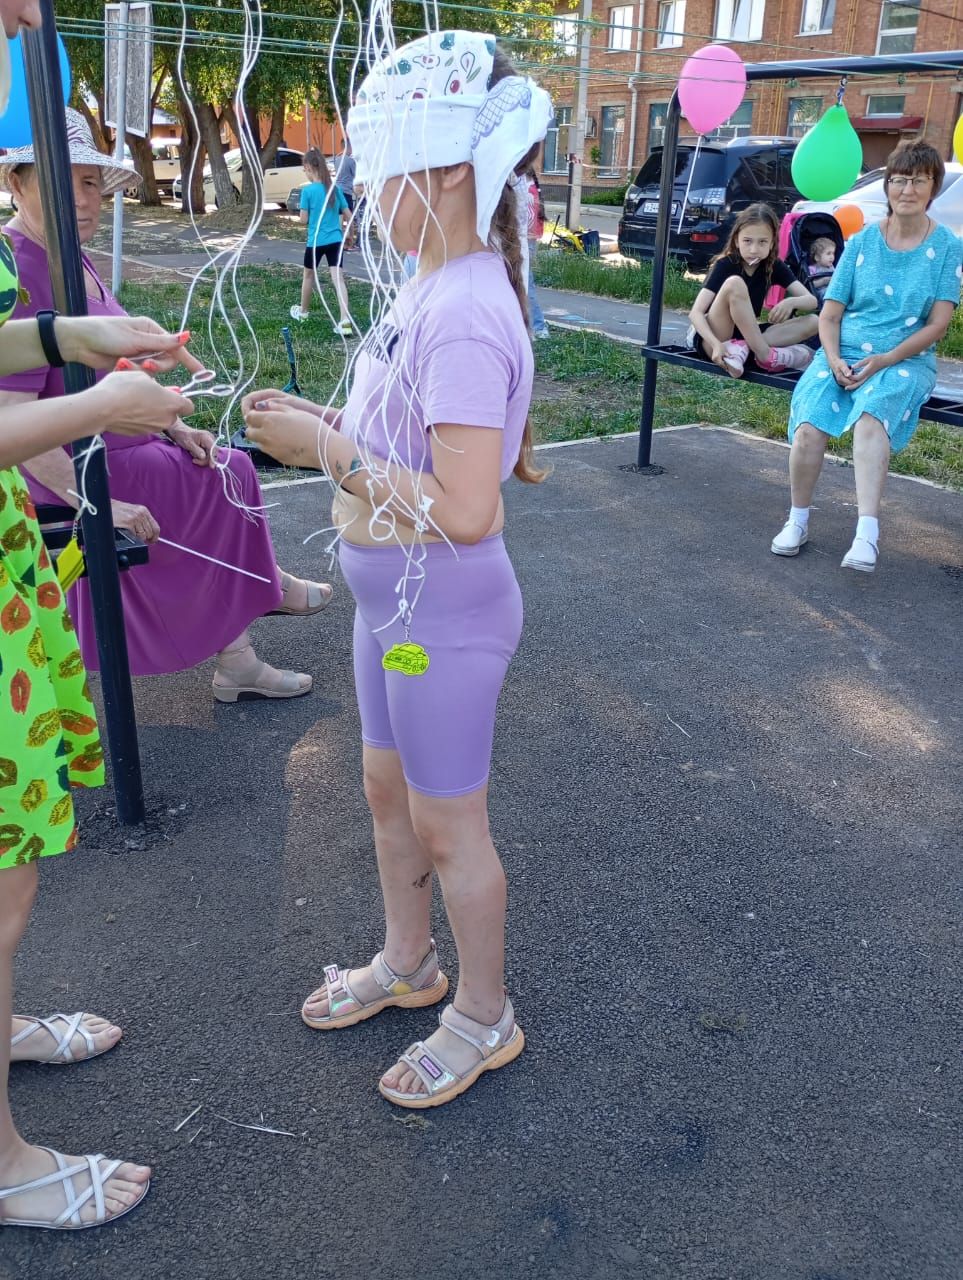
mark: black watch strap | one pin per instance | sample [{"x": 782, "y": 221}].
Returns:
[{"x": 48, "y": 339}]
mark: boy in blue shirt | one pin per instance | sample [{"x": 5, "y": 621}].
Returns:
[{"x": 325, "y": 211}]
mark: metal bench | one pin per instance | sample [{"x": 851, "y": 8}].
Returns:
[
  {"x": 57, "y": 528},
  {"x": 937, "y": 409}
]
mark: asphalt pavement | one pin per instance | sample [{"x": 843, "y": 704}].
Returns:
[{"x": 727, "y": 794}]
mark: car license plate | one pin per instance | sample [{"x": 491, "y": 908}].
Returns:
[{"x": 652, "y": 206}]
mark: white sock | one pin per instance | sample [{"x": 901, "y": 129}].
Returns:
[
  {"x": 800, "y": 516},
  {"x": 867, "y": 528}
]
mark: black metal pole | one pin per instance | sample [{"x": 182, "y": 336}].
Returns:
[
  {"x": 660, "y": 257},
  {"x": 45, "y": 93}
]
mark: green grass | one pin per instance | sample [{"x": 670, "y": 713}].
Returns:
[
  {"x": 630, "y": 281},
  {"x": 590, "y": 386},
  {"x": 612, "y": 196},
  {"x": 587, "y": 385}
]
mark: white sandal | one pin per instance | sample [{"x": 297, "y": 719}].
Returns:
[
  {"x": 496, "y": 1047},
  {"x": 69, "y": 1220},
  {"x": 62, "y": 1054}
]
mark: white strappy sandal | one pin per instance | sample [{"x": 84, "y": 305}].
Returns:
[
  {"x": 73, "y": 1026},
  {"x": 69, "y": 1220}
]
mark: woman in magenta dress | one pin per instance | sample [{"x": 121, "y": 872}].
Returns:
[{"x": 179, "y": 610}]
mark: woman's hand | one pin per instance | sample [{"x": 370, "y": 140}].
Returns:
[
  {"x": 99, "y": 341},
  {"x": 294, "y": 437},
  {"x": 133, "y": 404},
  {"x": 784, "y": 309},
  {"x": 136, "y": 519},
  {"x": 199, "y": 444},
  {"x": 868, "y": 365},
  {"x": 279, "y": 398},
  {"x": 842, "y": 372}
]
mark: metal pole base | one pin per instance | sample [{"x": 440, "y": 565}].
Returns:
[{"x": 634, "y": 469}]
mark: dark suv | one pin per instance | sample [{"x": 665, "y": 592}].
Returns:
[{"x": 728, "y": 176}]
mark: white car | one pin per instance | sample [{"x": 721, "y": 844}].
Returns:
[
  {"x": 286, "y": 173},
  {"x": 869, "y": 195}
]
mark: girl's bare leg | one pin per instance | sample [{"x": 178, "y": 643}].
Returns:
[
  {"x": 455, "y": 836},
  {"x": 341, "y": 289},
  {"x": 307, "y": 290},
  {"x": 406, "y": 878}
]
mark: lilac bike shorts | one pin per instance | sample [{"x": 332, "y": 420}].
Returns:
[{"x": 468, "y": 618}]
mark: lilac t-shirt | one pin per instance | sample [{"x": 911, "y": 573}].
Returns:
[{"x": 453, "y": 348}]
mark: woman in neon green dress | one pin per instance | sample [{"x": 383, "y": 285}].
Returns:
[{"x": 48, "y": 733}]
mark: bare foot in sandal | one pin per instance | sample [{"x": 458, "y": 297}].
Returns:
[
  {"x": 302, "y": 598},
  {"x": 241, "y": 676},
  {"x": 354, "y": 995},
  {"x": 434, "y": 1071},
  {"x": 74, "y": 1191},
  {"x": 61, "y": 1038}
]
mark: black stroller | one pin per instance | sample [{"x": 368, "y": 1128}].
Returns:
[{"x": 805, "y": 229}]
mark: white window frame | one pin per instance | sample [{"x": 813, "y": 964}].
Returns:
[
  {"x": 884, "y": 9},
  {"x": 740, "y": 20},
  {"x": 824, "y": 12},
  {"x": 565, "y": 34},
  {"x": 671, "y": 24},
  {"x": 885, "y": 115},
  {"x": 621, "y": 30},
  {"x": 562, "y": 122},
  {"x": 791, "y": 124},
  {"x": 617, "y": 166}
]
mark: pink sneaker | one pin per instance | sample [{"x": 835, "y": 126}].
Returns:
[
  {"x": 796, "y": 356},
  {"x": 735, "y": 353}
]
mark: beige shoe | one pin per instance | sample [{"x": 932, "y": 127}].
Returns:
[{"x": 427, "y": 985}]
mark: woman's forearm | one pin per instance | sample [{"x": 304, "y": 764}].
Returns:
[
  {"x": 37, "y": 426},
  {"x": 55, "y": 471},
  {"x": 829, "y": 335},
  {"x": 921, "y": 340}
]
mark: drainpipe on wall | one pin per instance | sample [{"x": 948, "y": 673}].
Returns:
[{"x": 635, "y": 83}]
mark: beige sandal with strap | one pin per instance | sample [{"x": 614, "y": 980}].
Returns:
[
  {"x": 496, "y": 1046},
  {"x": 319, "y": 596},
  {"x": 427, "y": 985}
]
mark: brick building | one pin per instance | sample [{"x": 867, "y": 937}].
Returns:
[{"x": 637, "y": 51}]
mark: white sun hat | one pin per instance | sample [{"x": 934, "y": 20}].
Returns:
[{"x": 82, "y": 151}]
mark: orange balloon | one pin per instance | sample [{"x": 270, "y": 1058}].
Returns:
[{"x": 850, "y": 219}]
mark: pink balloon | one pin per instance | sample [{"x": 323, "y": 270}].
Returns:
[{"x": 711, "y": 86}]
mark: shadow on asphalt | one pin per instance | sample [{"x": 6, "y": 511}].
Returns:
[{"x": 727, "y": 793}]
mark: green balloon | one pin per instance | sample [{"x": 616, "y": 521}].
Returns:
[{"x": 828, "y": 160}]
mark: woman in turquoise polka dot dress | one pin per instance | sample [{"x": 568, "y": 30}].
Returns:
[{"x": 890, "y": 301}]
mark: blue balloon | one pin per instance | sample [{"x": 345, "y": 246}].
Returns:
[{"x": 15, "y": 130}]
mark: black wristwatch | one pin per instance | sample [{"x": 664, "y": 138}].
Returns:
[{"x": 48, "y": 339}]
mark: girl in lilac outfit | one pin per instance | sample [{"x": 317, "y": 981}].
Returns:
[
  {"x": 436, "y": 420},
  {"x": 165, "y": 484}
]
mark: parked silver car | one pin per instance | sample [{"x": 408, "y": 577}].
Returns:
[{"x": 870, "y": 197}]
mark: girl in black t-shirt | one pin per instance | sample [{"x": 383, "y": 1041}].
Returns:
[{"x": 725, "y": 316}]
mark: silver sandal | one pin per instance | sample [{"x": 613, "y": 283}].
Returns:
[
  {"x": 62, "y": 1054},
  {"x": 69, "y": 1220},
  {"x": 401, "y": 990},
  {"x": 496, "y": 1046}
]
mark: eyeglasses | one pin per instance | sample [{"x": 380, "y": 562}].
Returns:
[{"x": 917, "y": 184}]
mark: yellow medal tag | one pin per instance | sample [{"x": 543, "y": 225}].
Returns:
[
  {"x": 408, "y": 658},
  {"x": 70, "y": 565}
]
